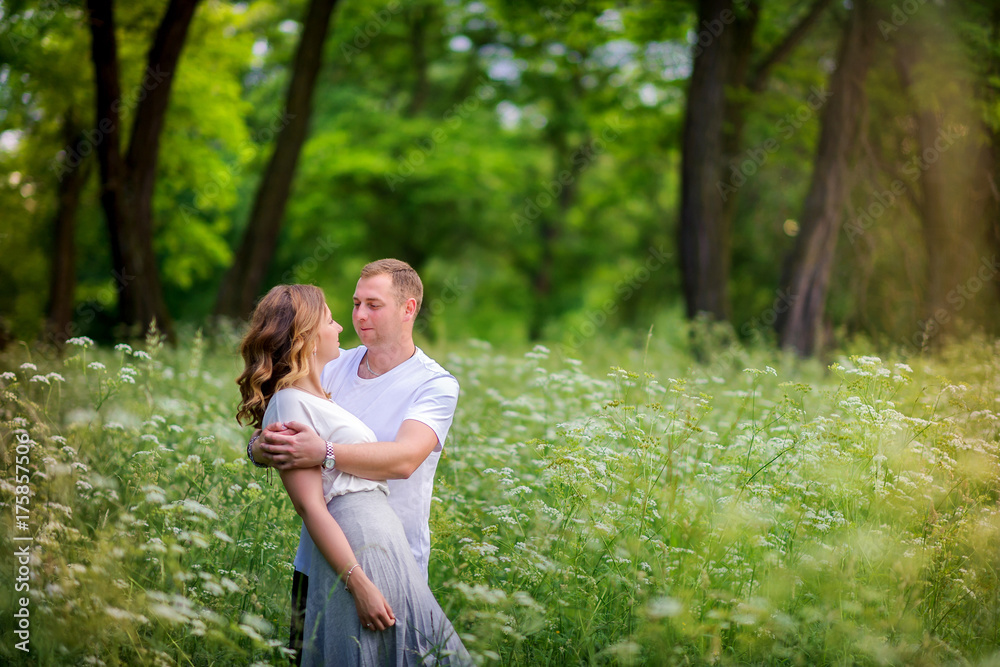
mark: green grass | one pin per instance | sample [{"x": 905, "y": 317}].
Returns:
[{"x": 625, "y": 508}]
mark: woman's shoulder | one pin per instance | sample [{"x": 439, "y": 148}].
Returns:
[
  {"x": 288, "y": 403},
  {"x": 287, "y": 396}
]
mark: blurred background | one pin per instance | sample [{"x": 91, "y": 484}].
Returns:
[{"x": 798, "y": 173}]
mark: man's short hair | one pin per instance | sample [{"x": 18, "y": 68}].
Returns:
[{"x": 405, "y": 281}]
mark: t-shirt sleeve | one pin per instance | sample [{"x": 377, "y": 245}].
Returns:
[
  {"x": 435, "y": 406},
  {"x": 285, "y": 407}
]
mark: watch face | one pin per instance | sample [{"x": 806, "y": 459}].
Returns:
[{"x": 328, "y": 464}]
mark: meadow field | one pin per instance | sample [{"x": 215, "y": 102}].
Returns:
[{"x": 605, "y": 505}]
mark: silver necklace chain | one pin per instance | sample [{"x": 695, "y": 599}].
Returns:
[{"x": 369, "y": 367}]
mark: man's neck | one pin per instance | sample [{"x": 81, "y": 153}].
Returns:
[{"x": 383, "y": 358}]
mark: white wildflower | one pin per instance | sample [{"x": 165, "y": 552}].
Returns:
[
  {"x": 39, "y": 378},
  {"x": 96, "y": 366},
  {"x": 140, "y": 354},
  {"x": 28, "y": 366},
  {"x": 167, "y": 613},
  {"x": 213, "y": 588},
  {"x": 124, "y": 347},
  {"x": 82, "y": 341},
  {"x": 118, "y": 614},
  {"x": 8, "y": 376},
  {"x": 55, "y": 377},
  {"x": 155, "y": 494}
]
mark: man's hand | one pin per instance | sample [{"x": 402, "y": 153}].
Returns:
[{"x": 289, "y": 445}]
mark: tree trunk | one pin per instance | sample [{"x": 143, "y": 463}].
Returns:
[
  {"x": 420, "y": 18},
  {"x": 713, "y": 141},
  {"x": 938, "y": 227},
  {"x": 127, "y": 182},
  {"x": 734, "y": 117},
  {"x": 807, "y": 270},
  {"x": 58, "y": 326},
  {"x": 703, "y": 239},
  {"x": 245, "y": 278}
]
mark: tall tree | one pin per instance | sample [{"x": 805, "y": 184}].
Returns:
[
  {"x": 242, "y": 283},
  {"x": 63, "y": 282},
  {"x": 702, "y": 240},
  {"x": 127, "y": 180},
  {"x": 726, "y": 71},
  {"x": 806, "y": 274},
  {"x": 938, "y": 222}
]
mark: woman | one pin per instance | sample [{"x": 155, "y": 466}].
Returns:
[{"x": 375, "y": 607}]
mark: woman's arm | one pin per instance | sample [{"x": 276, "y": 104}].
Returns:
[{"x": 305, "y": 488}]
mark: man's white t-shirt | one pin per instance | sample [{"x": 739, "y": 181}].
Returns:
[{"x": 418, "y": 389}]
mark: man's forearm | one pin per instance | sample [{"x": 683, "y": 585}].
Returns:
[{"x": 377, "y": 460}]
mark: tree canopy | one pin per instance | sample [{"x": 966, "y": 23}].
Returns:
[{"x": 551, "y": 169}]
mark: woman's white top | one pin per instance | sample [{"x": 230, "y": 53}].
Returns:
[{"x": 332, "y": 423}]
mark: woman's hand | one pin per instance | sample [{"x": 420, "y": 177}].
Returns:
[{"x": 373, "y": 610}]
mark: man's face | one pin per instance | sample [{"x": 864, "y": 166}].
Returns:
[{"x": 377, "y": 317}]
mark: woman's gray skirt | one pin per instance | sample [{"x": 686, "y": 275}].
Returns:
[{"x": 422, "y": 634}]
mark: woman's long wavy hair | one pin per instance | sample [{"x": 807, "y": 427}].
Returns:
[{"x": 277, "y": 348}]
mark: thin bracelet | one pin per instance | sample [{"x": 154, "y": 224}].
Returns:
[
  {"x": 250, "y": 451},
  {"x": 347, "y": 577}
]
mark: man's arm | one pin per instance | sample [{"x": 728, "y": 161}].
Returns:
[{"x": 296, "y": 445}]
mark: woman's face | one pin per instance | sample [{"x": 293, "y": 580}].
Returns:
[{"x": 328, "y": 340}]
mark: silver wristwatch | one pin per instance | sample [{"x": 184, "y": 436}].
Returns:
[{"x": 329, "y": 462}]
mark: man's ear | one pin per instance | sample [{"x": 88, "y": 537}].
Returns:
[{"x": 410, "y": 308}]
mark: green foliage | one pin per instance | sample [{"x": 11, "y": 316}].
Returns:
[
  {"x": 677, "y": 513},
  {"x": 439, "y": 134}
]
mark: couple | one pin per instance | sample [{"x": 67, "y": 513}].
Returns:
[{"x": 337, "y": 427}]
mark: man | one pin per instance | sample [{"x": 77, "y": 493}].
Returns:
[{"x": 403, "y": 395}]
